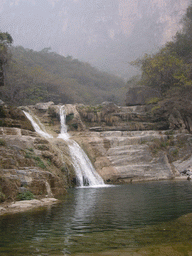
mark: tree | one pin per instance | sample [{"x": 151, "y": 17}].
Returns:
[
  {"x": 5, "y": 41},
  {"x": 164, "y": 71},
  {"x": 169, "y": 72}
]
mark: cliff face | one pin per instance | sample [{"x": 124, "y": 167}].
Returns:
[
  {"x": 29, "y": 162},
  {"x": 137, "y": 155},
  {"x": 123, "y": 143}
]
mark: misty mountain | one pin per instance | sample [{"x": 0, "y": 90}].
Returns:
[
  {"x": 34, "y": 76},
  {"x": 107, "y": 33}
]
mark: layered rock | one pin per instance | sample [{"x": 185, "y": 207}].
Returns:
[
  {"x": 121, "y": 142},
  {"x": 13, "y": 117},
  {"x": 29, "y": 162},
  {"x": 110, "y": 117},
  {"x": 127, "y": 156}
]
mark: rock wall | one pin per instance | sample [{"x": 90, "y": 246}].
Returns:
[
  {"x": 29, "y": 162},
  {"x": 136, "y": 155},
  {"x": 110, "y": 117},
  {"x": 123, "y": 143}
]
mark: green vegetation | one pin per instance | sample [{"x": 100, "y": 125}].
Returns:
[
  {"x": 43, "y": 76},
  {"x": 29, "y": 153},
  {"x": 2, "y": 142},
  {"x": 153, "y": 100},
  {"x": 5, "y": 41},
  {"x": 169, "y": 73},
  {"x": 25, "y": 196},
  {"x": 39, "y": 162},
  {"x": 69, "y": 117}
]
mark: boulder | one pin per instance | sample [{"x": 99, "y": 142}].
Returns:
[{"x": 44, "y": 106}]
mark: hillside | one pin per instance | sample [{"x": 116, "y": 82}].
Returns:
[{"x": 33, "y": 76}]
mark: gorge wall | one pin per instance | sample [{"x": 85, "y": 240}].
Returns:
[{"x": 125, "y": 144}]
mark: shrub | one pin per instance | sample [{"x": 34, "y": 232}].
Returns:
[
  {"x": 30, "y": 149},
  {"x": 28, "y": 155},
  {"x": 175, "y": 152},
  {"x": 153, "y": 100},
  {"x": 41, "y": 164},
  {"x": 69, "y": 117},
  {"x": 2, "y": 142},
  {"x": 49, "y": 162},
  {"x": 42, "y": 147},
  {"x": 155, "y": 108},
  {"x": 25, "y": 196}
]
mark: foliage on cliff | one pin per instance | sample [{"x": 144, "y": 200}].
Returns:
[
  {"x": 5, "y": 41},
  {"x": 43, "y": 76},
  {"x": 169, "y": 72}
]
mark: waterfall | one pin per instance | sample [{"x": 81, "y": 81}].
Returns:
[
  {"x": 36, "y": 126},
  {"x": 85, "y": 172},
  {"x": 63, "y": 133}
]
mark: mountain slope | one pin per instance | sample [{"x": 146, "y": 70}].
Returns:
[{"x": 43, "y": 76}]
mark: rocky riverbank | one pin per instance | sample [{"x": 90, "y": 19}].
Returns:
[{"x": 125, "y": 144}]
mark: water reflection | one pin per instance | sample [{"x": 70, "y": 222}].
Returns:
[{"x": 117, "y": 214}]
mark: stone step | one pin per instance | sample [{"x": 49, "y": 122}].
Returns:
[
  {"x": 122, "y": 150},
  {"x": 136, "y": 140},
  {"x": 145, "y": 170},
  {"x": 132, "y": 133},
  {"x": 130, "y": 158}
]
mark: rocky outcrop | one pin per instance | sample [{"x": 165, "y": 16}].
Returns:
[
  {"x": 13, "y": 117},
  {"x": 29, "y": 162},
  {"x": 123, "y": 143},
  {"x": 128, "y": 156},
  {"x": 20, "y": 206},
  {"x": 110, "y": 117}
]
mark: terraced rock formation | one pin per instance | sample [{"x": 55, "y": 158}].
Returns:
[
  {"x": 128, "y": 156},
  {"x": 124, "y": 144}
]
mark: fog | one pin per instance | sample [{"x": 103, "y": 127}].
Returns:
[{"x": 106, "y": 33}]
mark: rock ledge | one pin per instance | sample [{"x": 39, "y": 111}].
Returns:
[{"x": 21, "y": 206}]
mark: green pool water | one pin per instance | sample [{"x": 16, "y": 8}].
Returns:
[{"x": 134, "y": 219}]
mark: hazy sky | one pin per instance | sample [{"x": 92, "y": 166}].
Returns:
[{"x": 107, "y": 33}]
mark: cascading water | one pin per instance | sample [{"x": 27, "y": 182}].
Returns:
[
  {"x": 36, "y": 126},
  {"x": 86, "y": 174}
]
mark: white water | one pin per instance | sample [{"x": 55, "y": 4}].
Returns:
[
  {"x": 85, "y": 172},
  {"x": 86, "y": 175},
  {"x": 36, "y": 126}
]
